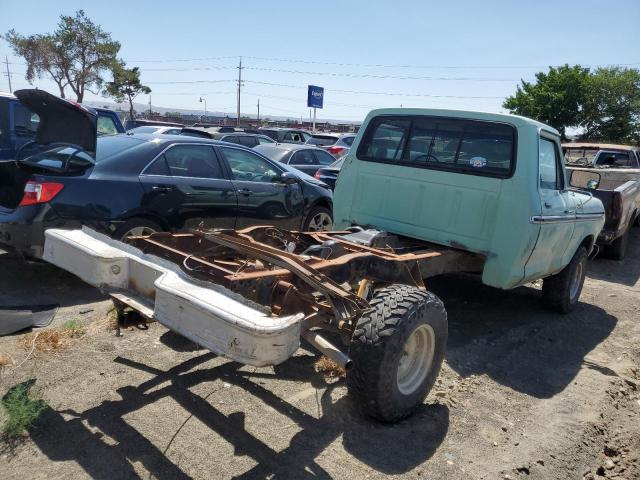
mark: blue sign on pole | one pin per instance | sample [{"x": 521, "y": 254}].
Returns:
[{"x": 315, "y": 96}]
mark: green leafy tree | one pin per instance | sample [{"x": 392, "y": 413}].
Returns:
[
  {"x": 77, "y": 54},
  {"x": 555, "y": 98},
  {"x": 126, "y": 85},
  {"x": 612, "y": 106}
]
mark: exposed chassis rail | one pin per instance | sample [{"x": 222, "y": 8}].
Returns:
[{"x": 249, "y": 295}]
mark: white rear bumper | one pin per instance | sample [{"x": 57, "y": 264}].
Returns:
[{"x": 208, "y": 314}]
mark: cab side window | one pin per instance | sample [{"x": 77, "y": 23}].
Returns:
[
  {"x": 303, "y": 157},
  {"x": 549, "y": 165}
]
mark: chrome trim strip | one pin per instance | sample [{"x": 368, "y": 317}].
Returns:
[{"x": 548, "y": 219}]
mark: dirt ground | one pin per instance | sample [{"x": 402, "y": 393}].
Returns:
[{"x": 524, "y": 393}]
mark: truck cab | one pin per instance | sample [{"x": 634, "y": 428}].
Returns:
[{"x": 486, "y": 183}]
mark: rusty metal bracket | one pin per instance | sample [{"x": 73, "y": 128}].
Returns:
[{"x": 346, "y": 305}]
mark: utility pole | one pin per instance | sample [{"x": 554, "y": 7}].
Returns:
[
  {"x": 149, "y": 105},
  {"x": 258, "y": 112},
  {"x": 239, "y": 85},
  {"x": 6, "y": 60}
]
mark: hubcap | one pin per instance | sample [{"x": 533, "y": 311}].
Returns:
[
  {"x": 417, "y": 357},
  {"x": 575, "y": 282},
  {"x": 138, "y": 232},
  {"x": 321, "y": 222}
]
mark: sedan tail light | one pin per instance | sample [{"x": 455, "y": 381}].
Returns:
[
  {"x": 336, "y": 151},
  {"x": 40, "y": 192}
]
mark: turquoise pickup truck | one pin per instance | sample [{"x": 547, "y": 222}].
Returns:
[
  {"x": 485, "y": 183},
  {"x": 421, "y": 193}
]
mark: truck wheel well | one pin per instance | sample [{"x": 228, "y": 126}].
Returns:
[{"x": 588, "y": 243}]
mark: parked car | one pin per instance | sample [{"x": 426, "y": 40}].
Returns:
[
  {"x": 303, "y": 157},
  {"x": 157, "y": 130},
  {"x": 329, "y": 174},
  {"x": 140, "y": 122},
  {"x": 452, "y": 178},
  {"x": 610, "y": 173},
  {"x": 337, "y": 145},
  {"x": 240, "y": 138},
  {"x": 129, "y": 184},
  {"x": 286, "y": 135},
  {"x": 18, "y": 124}
]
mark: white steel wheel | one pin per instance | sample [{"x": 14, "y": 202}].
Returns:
[
  {"x": 576, "y": 282},
  {"x": 417, "y": 357},
  {"x": 321, "y": 221}
]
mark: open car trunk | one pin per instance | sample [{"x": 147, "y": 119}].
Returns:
[{"x": 62, "y": 123}]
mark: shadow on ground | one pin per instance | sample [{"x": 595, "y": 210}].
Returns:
[
  {"x": 64, "y": 435},
  {"x": 39, "y": 283},
  {"x": 625, "y": 272},
  {"x": 512, "y": 337}
]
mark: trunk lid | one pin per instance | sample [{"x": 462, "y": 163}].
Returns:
[{"x": 61, "y": 121}]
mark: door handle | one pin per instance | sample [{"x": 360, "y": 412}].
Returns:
[
  {"x": 161, "y": 188},
  {"x": 245, "y": 191},
  {"x": 570, "y": 211},
  {"x": 547, "y": 204}
]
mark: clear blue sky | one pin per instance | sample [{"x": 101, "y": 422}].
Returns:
[{"x": 491, "y": 44}]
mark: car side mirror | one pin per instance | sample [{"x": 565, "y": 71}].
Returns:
[
  {"x": 287, "y": 178},
  {"x": 580, "y": 179}
]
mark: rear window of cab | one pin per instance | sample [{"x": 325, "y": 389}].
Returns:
[{"x": 465, "y": 146}]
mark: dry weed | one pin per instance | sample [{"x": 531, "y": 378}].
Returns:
[
  {"x": 329, "y": 368},
  {"x": 53, "y": 340}
]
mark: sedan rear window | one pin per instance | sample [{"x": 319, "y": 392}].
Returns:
[
  {"x": 459, "y": 145},
  {"x": 62, "y": 159},
  {"x": 322, "y": 140},
  {"x": 110, "y": 145}
]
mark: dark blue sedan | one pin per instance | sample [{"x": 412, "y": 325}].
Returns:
[{"x": 126, "y": 185}]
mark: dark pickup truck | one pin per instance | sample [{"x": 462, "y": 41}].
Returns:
[{"x": 610, "y": 173}]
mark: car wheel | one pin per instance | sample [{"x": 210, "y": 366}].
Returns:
[
  {"x": 318, "y": 220},
  {"x": 562, "y": 290},
  {"x": 397, "y": 349},
  {"x": 136, "y": 227}
]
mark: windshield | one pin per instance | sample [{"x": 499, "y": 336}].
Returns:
[{"x": 115, "y": 144}]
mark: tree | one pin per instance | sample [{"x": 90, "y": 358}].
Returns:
[
  {"x": 76, "y": 54},
  {"x": 126, "y": 85},
  {"x": 612, "y": 106},
  {"x": 555, "y": 98}
]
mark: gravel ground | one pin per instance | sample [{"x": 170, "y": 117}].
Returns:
[{"x": 524, "y": 393}]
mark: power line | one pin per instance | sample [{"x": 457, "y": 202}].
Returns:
[
  {"x": 379, "y": 65},
  {"x": 394, "y": 94}
]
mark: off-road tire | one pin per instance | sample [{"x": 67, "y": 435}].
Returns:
[
  {"x": 378, "y": 344},
  {"x": 559, "y": 291},
  {"x": 618, "y": 248},
  {"x": 136, "y": 222}
]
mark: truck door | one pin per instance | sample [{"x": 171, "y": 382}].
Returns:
[{"x": 557, "y": 213}]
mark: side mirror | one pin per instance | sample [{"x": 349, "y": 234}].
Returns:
[
  {"x": 580, "y": 179},
  {"x": 287, "y": 178}
]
